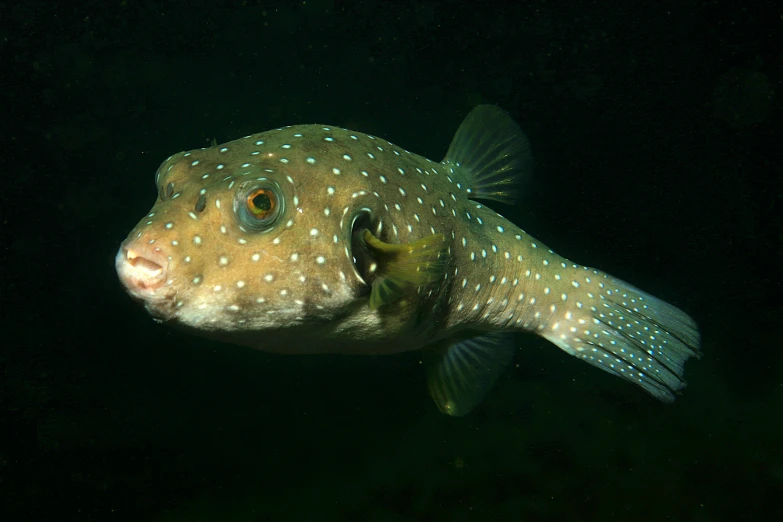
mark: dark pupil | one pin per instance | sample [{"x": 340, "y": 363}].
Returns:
[{"x": 262, "y": 202}]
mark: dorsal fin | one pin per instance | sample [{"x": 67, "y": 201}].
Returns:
[{"x": 489, "y": 154}]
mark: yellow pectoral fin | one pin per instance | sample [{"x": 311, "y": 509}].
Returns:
[{"x": 404, "y": 267}]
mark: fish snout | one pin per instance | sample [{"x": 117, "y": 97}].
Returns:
[{"x": 142, "y": 268}]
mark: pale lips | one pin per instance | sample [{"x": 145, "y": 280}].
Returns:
[{"x": 141, "y": 270}]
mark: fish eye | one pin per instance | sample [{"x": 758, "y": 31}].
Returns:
[
  {"x": 261, "y": 203},
  {"x": 258, "y": 205}
]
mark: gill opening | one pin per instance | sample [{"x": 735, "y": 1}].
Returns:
[{"x": 362, "y": 261}]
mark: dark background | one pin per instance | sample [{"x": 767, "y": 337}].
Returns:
[{"x": 656, "y": 129}]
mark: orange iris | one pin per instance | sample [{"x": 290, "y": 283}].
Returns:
[{"x": 261, "y": 203}]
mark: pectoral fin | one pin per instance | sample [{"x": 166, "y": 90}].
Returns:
[{"x": 405, "y": 267}]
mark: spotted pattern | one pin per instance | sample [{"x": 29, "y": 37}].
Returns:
[{"x": 302, "y": 283}]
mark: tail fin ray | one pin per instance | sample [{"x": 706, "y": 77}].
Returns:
[{"x": 635, "y": 336}]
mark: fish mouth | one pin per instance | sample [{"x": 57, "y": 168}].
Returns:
[
  {"x": 143, "y": 271},
  {"x": 151, "y": 272}
]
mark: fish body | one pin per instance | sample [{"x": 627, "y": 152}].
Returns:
[{"x": 318, "y": 239}]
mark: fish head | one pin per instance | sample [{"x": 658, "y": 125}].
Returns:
[{"x": 238, "y": 243}]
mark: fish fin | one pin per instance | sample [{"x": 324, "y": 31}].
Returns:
[
  {"x": 213, "y": 143},
  {"x": 459, "y": 374},
  {"x": 490, "y": 155},
  {"x": 633, "y": 335},
  {"x": 404, "y": 267}
]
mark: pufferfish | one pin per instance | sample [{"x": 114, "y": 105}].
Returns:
[{"x": 317, "y": 239}]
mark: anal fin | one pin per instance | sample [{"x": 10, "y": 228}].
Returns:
[{"x": 460, "y": 373}]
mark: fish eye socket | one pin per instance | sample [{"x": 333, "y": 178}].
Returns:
[{"x": 259, "y": 205}]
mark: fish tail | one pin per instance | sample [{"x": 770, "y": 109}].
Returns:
[{"x": 628, "y": 333}]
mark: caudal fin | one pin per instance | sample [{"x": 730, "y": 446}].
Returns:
[{"x": 628, "y": 333}]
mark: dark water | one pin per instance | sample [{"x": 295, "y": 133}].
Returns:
[{"x": 657, "y": 135}]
